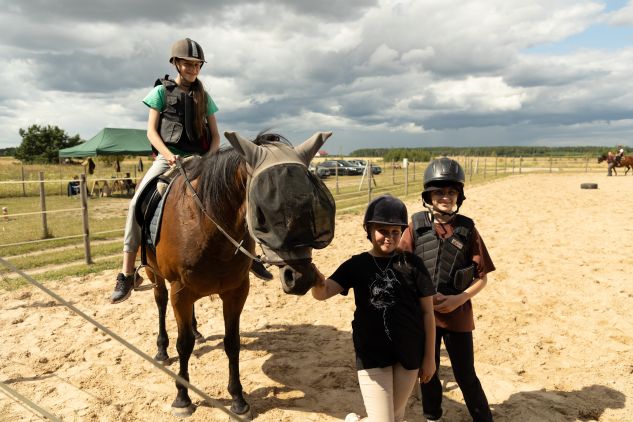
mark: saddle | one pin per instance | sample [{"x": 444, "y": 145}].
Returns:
[
  {"x": 149, "y": 208},
  {"x": 149, "y": 211}
]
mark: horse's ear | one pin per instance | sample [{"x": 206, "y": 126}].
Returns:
[
  {"x": 308, "y": 149},
  {"x": 243, "y": 146}
]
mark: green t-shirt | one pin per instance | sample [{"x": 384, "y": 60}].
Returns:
[{"x": 156, "y": 100}]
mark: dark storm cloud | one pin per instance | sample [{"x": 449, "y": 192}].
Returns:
[
  {"x": 122, "y": 11},
  {"x": 544, "y": 73},
  {"x": 86, "y": 72},
  {"x": 457, "y": 120}
]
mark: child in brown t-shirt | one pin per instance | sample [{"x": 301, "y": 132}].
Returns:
[{"x": 458, "y": 261}]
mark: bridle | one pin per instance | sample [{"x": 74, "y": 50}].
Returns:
[{"x": 194, "y": 194}]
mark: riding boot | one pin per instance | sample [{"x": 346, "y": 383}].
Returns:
[
  {"x": 258, "y": 269},
  {"x": 124, "y": 286}
]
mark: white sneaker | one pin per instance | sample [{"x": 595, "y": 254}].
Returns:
[
  {"x": 352, "y": 417},
  {"x": 434, "y": 420}
]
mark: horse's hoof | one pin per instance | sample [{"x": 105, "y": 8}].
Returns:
[
  {"x": 247, "y": 416},
  {"x": 161, "y": 358},
  {"x": 241, "y": 409},
  {"x": 183, "y": 412}
]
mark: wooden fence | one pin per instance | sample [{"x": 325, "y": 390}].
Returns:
[{"x": 351, "y": 193}]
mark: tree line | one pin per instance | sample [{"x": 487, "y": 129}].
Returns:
[
  {"x": 41, "y": 144},
  {"x": 421, "y": 154}
]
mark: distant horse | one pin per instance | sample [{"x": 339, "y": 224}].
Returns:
[
  {"x": 196, "y": 255},
  {"x": 626, "y": 161}
]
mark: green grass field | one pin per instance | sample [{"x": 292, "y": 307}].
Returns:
[{"x": 60, "y": 251}]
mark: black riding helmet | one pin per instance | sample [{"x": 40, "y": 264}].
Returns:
[
  {"x": 388, "y": 210},
  {"x": 440, "y": 173}
]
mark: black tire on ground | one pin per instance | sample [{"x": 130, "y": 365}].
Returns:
[{"x": 588, "y": 186}]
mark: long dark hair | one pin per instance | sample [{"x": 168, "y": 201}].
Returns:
[{"x": 200, "y": 101}]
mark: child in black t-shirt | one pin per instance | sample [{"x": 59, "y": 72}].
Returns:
[{"x": 393, "y": 326}]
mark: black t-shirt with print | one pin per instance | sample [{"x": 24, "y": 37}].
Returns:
[{"x": 387, "y": 325}]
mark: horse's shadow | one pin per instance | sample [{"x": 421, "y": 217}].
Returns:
[
  {"x": 312, "y": 368},
  {"x": 586, "y": 404}
]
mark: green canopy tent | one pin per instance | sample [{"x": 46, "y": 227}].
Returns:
[{"x": 111, "y": 141}]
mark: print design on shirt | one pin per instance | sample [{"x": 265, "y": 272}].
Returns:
[{"x": 382, "y": 294}]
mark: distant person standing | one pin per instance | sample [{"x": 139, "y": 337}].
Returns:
[
  {"x": 89, "y": 166},
  {"x": 140, "y": 165}
]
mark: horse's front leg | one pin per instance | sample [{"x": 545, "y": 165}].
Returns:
[
  {"x": 232, "y": 305},
  {"x": 161, "y": 298},
  {"x": 183, "y": 311}
]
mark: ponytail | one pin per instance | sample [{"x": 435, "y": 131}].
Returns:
[{"x": 200, "y": 102}]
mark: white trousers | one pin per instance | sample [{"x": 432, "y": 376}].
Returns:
[
  {"x": 132, "y": 234},
  {"x": 386, "y": 392}
]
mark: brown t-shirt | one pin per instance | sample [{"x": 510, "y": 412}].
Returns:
[{"x": 461, "y": 319}]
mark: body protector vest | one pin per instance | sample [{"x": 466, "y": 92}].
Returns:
[
  {"x": 449, "y": 261},
  {"x": 176, "y": 125}
]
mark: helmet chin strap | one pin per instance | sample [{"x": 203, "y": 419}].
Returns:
[{"x": 433, "y": 211}]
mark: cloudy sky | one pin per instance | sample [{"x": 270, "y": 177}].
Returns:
[{"x": 375, "y": 72}]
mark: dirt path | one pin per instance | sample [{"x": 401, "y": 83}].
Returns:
[{"x": 553, "y": 339}]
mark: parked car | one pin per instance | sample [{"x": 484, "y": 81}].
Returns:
[
  {"x": 363, "y": 164},
  {"x": 321, "y": 172},
  {"x": 344, "y": 168}
]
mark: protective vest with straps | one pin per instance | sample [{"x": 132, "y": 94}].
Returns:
[
  {"x": 176, "y": 125},
  {"x": 443, "y": 257}
]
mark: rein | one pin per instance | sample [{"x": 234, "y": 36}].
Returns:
[{"x": 238, "y": 246}]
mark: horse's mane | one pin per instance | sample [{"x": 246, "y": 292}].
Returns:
[{"x": 220, "y": 187}]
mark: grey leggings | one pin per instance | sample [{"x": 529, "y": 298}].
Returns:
[{"x": 132, "y": 236}]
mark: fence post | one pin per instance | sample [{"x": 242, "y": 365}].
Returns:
[
  {"x": 393, "y": 172},
  {"x": 587, "y": 165},
  {"x": 496, "y": 158},
  {"x": 551, "y": 159},
  {"x": 520, "y": 165},
  {"x": 45, "y": 234},
  {"x": 485, "y": 159},
  {"x": 61, "y": 182},
  {"x": 83, "y": 189},
  {"x": 471, "y": 170},
  {"x": 405, "y": 164},
  {"x": 23, "y": 185},
  {"x": 369, "y": 175}
]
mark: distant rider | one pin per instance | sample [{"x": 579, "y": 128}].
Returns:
[{"x": 619, "y": 154}]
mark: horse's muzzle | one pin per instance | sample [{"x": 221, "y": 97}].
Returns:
[
  {"x": 296, "y": 271},
  {"x": 297, "y": 277}
]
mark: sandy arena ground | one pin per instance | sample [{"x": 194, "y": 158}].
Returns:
[{"x": 553, "y": 339}]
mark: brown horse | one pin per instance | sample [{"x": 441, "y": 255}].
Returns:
[
  {"x": 200, "y": 260},
  {"x": 626, "y": 161}
]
